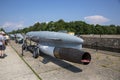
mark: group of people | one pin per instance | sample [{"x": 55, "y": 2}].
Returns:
[{"x": 2, "y": 46}]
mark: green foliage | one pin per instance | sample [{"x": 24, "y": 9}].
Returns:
[
  {"x": 1, "y": 29},
  {"x": 79, "y": 27},
  {"x": 118, "y": 29}
]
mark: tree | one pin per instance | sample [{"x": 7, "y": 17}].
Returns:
[
  {"x": 118, "y": 29},
  {"x": 79, "y": 27},
  {"x": 60, "y": 25}
]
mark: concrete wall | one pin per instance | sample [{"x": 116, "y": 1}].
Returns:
[{"x": 111, "y": 44}]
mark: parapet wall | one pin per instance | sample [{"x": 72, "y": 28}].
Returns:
[{"x": 111, "y": 44}]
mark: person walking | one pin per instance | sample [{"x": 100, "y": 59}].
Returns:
[{"x": 2, "y": 45}]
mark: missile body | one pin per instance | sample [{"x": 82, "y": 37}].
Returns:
[{"x": 60, "y": 45}]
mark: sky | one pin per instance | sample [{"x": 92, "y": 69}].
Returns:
[{"x": 17, "y": 14}]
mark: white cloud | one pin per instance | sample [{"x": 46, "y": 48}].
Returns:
[
  {"x": 96, "y": 19},
  {"x": 9, "y": 26}
]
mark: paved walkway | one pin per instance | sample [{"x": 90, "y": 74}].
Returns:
[{"x": 13, "y": 68}]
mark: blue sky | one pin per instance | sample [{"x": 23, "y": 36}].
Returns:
[{"x": 16, "y": 14}]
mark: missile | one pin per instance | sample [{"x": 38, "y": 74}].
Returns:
[{"x": 60, "y": 45}]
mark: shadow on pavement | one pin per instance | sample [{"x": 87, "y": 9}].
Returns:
[
  {"x": 60, "y": 63},
  {"x": 3, "y": 56}
]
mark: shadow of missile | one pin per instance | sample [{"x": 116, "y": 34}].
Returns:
[{"x": 61, "y": 63}]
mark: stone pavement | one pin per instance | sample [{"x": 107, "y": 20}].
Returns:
[{"x": 13, "y": 68}]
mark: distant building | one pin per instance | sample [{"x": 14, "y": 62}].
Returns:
[{"x": 71, "y": 33}]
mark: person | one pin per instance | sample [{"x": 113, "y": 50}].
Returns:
[
  {"x": 7, "y": 39},
  {"x": 2, "y": 45}
]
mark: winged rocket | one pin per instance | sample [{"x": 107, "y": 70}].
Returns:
[{"x": 59, "y": 45}]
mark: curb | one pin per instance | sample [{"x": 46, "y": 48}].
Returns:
[{"x": 39, "y": 78}]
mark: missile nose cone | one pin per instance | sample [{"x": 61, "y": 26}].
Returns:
[{"x": 79, "y": 40}]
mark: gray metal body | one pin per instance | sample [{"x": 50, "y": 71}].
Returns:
[
  {"x": 19, "y": 38},
  {"x": 56, "y": 39},
  {"x": 59, "y": 45}
]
